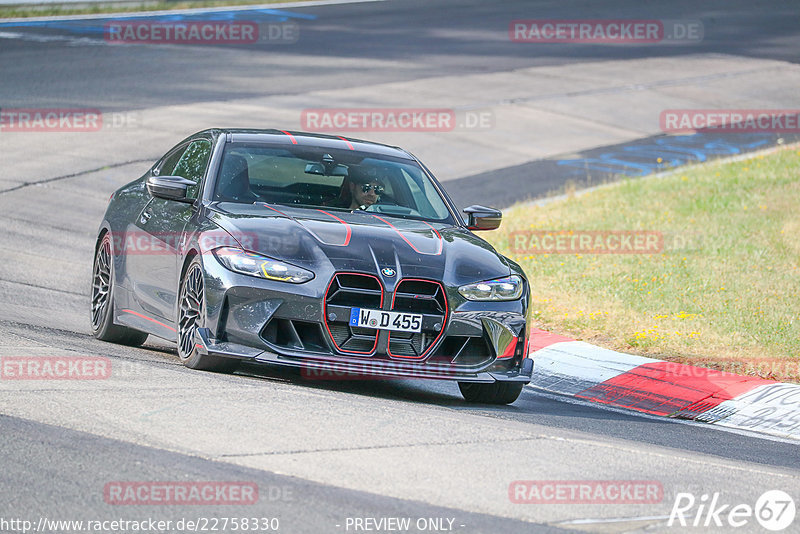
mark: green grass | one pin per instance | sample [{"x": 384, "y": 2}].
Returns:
[
  {"x": 67, "y": 9},
  {"x": 729, "y": 298}
]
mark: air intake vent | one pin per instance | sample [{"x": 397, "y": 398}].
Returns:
[
  {"x": 354, "y": 290},
  {"x": 295, "y": 335},
  {"x": 418, "y": 296},
  {"x": 351, "y": 290},
  {"x": 462, "y": 351}
]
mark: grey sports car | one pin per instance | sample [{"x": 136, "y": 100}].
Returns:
[{"x": 313, "y": 251}]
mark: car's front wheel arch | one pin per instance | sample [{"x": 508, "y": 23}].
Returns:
[{"x": 191, "y": 315}]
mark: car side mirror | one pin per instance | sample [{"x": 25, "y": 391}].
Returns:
[
  {"x": 483, "y": 218},
  {"x": 169, "y": 188}
]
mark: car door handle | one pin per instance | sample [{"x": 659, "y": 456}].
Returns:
[{"x": 145, "y": 217}]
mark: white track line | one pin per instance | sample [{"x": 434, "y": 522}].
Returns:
[
  {"x": 39, "y": 38},
  {"x": 611, "y": 520}
]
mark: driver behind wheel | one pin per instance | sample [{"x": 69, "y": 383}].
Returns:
[
  {"x": 365, "y": 194},
  {"x": 359, "y": 192}
]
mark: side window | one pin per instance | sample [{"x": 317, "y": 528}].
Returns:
[
  {"x": 170, "y": 161},
  {"x": 192, "y": 164}
]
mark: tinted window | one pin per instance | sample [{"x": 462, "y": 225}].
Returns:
[
  {"x": 194, "y": 161},
  {"x": 189, "y": 162},
  {"x": 170, "y": 161},
  {"x": 325, "y": 178}
]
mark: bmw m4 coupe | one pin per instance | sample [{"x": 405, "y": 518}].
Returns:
[{"x": 319, "y": 252}]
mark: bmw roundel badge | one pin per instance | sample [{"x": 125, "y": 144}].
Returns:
[{"x": 386, "y": 271}]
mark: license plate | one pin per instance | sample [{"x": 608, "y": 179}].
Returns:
[{"x": 386, "y": 320}]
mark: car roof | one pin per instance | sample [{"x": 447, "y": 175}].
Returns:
[{"x": 285, "y": 137}]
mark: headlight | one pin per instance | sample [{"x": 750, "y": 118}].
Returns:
[
  {"x": 239, "y": 261},
  {"x": 508, "y": 288}
]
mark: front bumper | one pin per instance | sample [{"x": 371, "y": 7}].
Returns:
[
  {"x": 322, "y": 366},
  {"x": 274, "y": 323}
]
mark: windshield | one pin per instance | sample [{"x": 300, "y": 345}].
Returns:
[{"x": 327, "y": 178}]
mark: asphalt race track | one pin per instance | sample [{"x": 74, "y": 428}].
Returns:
[{"x": 324, "y": 453}]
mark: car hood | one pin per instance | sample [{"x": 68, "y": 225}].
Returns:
[{"x": 324, "y": 239}]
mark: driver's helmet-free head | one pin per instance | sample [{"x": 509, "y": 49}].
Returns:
[
  {"x": 359, "y": 178},
  {"x": 362, "y": 177}
]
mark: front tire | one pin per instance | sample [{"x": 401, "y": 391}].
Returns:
[
  {"x": 494, "y": 393},
  {"x": 191, "y": 316},
  {"x": 102, "y": 311}
]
